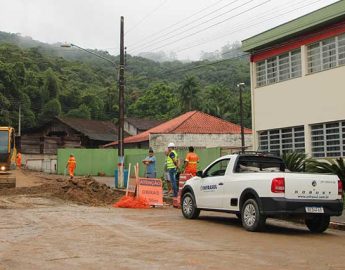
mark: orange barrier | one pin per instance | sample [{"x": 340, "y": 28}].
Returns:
[
  {"x": 183, "y": 179},
  {"x": 151, "y": 189}
]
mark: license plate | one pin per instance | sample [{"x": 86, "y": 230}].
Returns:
[{"x": 313, "y": 209}]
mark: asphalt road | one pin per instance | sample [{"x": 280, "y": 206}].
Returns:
[{"x": 46, "y": 233}]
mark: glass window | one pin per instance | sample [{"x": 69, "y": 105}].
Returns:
[
  {"x": 279, "y": 68},
  {"x": 3, "y": 142},
  {"x": 261, "y": 73},
  {"x": 282, "y": 140},
  {"x": 328, "y": 139},
  {"x": 326, "y": 54},
  {"x": 217, "y": 169}
]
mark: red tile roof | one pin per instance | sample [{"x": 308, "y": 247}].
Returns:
[{"x": 193, "y": 122}]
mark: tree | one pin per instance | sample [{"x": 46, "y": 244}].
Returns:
[
  {"x": 295, "y": 161},
  {"x": 189, "y": 93},
  {"x": 82, "y": 112},
  {"x": 51, "y": 87},
  {"x": 157, "y": 102},
  {"x": 51, "y": 109}
]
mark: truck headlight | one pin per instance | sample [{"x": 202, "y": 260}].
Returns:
[{"x": 2, "y": 168}]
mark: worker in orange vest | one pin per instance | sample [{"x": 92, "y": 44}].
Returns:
[
  {"x": 19, "y": 160},
  {"x": 191, "y": 162},
  {"x": 71, "y": 165}
]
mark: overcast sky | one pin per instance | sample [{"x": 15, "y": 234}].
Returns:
[{"x": 186, "y": 27}]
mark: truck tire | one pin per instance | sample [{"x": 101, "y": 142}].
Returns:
[
  {"x": 317, "y": 223},
  {"x": 188, "y": 206},
  {"x": 251, "y": 218}
]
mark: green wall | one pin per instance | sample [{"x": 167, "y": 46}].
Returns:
[{"x": 93, "y": 161}]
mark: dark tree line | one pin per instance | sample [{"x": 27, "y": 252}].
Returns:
[{"x": 47, "y": 81}]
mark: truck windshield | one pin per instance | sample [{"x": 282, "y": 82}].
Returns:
[
  {"x": 3, "y": 142},
  {"x": 260, "y": 164}
]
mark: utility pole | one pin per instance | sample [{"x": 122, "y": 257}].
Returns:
[
  {"x": 20, "y": 120},
  {"x": 240, "y": 87},
  {"x": 121, "y": 153}
]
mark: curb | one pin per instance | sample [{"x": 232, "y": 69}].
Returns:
[{"x": 337, "y": 225}]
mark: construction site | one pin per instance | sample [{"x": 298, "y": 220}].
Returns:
[{"x": 50, "y": 222}]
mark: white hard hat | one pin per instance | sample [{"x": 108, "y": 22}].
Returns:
[{"x": 171, "y": 145}]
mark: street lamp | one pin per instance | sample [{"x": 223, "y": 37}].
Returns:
[
  {"x": 70, "y": 45},
  {"x": 240, "y": 87}
]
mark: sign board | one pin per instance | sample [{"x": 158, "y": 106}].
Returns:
[{"x": 151, "y": 189}]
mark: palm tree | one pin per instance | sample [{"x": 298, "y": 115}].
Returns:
[
  {"x": 295, "y": 161},
  {"x": 189, "y": 90}
]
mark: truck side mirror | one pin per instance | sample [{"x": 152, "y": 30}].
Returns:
[{"x": 199, "y": 174}]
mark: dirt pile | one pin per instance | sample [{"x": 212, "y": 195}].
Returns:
[
  {"x": 88, "y": 191},
  {"x": 83, "y": 190}
]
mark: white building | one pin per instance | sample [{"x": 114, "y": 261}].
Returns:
[{"x": 298, "y": 84}]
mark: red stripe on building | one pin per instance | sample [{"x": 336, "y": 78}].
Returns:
[{"x": 295, "y": 43}]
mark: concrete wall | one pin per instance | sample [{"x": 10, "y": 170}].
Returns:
[
  {"x": 160, "y": 141},
  {"x": 310, "y": 99},
  {"x": 40, "y": 162},
  {"x": 93, "y": 161}
]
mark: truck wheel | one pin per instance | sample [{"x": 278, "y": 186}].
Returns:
[
  {"x": 317, "y": 223},
  {"x": 252, "y": 220},
  {"x": 188, "y": 206}
]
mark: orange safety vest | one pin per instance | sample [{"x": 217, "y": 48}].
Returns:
[
  {"x": 19, "y": 160},
  {"x": 192, "y": 165},
  {"x": 71, "y": 163}
]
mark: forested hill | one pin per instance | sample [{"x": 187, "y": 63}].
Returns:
[{"x": 47, "y": 80}]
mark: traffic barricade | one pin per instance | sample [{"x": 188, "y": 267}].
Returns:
[{"x": 183, "y": 179}]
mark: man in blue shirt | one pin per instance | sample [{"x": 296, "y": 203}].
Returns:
[{"x": 150, "y": 162}]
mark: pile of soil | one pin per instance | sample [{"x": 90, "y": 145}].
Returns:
[{"x": 83, "y": 190}]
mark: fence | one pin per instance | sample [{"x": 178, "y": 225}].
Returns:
[{"x": 95, "y": 161}]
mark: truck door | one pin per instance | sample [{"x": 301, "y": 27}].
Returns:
[{"x": 212, "y": 185}]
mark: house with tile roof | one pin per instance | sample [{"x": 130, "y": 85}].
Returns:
[{"x": 194, "y": 128}]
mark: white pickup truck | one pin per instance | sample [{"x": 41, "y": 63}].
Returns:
[{"x": 257, "y": 186}]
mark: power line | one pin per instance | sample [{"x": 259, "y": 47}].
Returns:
[
  {"x": 168, "y": 72},
  {"x": 243, "y": 26},
  {"x": 213, "y": 25},
  {"x": 178, "y": 22},
  {"x": 185, "y": 25},
  {"x": 146, "y": 16}
]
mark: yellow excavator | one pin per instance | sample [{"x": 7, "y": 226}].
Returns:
[{"x": 7, "y": 157}]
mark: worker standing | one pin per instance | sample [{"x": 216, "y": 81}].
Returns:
[
  {"x": 19, "y": 160},
  {"x": 150, "y": 162},
  {"x": 172, "y": 166},
  {"x": 191, "y": 162},
  {"x": 71, "y": 165}
]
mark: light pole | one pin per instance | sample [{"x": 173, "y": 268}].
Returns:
[
  {"x": 121, "y": 96},
  {"x": 240, "y": 87}
]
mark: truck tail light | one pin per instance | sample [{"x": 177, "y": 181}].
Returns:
[
  {"x": 278, "y": 185},
  {"x": 340, "y": 188}
]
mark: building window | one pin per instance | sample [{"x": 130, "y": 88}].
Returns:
[
  {"x": 328, "y": 139},
  {"x": 283, "y": 140},
  {"x": 326, "y": 54},
  {"x": 279, "y": 68}
]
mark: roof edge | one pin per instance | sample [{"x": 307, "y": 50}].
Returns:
[{"x": 312, "y": 19}]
